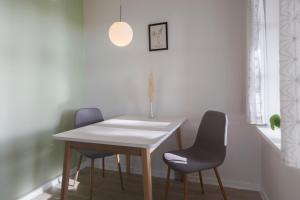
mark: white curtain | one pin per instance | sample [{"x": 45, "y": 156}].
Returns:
[
  {"x": 256, "y": 61},
  {"x": 290, "y": 80}
]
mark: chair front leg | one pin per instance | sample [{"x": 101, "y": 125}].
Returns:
[
  {"x": 103, "y": 167},
  {"x": 120, "y": 171},
  {"x": 185, "y": 184},
  {"x": 92, "y": 178},
  {"x": 201, "y": 182},
  {"x": 220, "y": 184}
]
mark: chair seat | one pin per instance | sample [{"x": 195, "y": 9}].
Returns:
[
  {"x": 191, "y": 160},
  {"x": 94, "y": 154}
]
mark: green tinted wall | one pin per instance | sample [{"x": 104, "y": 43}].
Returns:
[{"x": 41, "y": 84}]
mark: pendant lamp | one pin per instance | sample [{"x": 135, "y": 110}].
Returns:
[{"x": 120, "y": 33}]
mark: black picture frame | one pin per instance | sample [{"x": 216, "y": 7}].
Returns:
[{"x": 165, "y": 37}]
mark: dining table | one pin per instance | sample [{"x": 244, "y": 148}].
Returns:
[{"x": 136, "y": 135}]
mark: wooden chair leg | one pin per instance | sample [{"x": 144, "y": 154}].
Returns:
[
  {"x": 201, "y": 182},
  {"x": 103, "y": 167},
  {"x": 120, "y": 172},
  {"x": 167, "y": 183},
  {"x": 185, "y": 183},
  {"x": 128, "y": 159},
  {"x": 92, "y": 178},
  {"x": 220, "y": 184},
  {"x": 78, "y": 170}
]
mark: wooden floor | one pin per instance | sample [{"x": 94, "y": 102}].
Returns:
[{"x": 108, "y": 188}]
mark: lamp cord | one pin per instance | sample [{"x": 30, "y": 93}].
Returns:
[{"x": 120, "y": 10}]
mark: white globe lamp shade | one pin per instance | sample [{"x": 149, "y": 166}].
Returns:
[{"x": 120, "y": 34}]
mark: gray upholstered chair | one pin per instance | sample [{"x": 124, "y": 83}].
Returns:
[
  {"x": 84, "y": 117},
  {"x": 208, "y": 151}
]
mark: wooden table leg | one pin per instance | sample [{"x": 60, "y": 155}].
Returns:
[
  {"x": 179, "y": 141},
  {"x": 147, "y": 178},
  {"x": 66, "y": 171},
  {"x": 128, "y": 164},
  {"x": 178, "y": 176}
]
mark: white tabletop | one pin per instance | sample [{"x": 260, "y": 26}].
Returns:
[{"x": 131, "y": 131}]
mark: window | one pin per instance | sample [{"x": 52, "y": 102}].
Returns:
[
  {"x": 271, "y": 96},
  {"x": 263, "y": 61},
  {"x": 271, "y": 75}
]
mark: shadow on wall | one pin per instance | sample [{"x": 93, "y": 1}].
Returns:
[
  {"x": 37, "y": 151},
  {"x": 41, "y": 81}
]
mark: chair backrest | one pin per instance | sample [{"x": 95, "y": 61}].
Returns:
[
  {"x": 87, "y": 116},
  {"x": 212, "y": 133}
]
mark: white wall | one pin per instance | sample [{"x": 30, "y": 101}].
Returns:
[{"x": 203, "y": 69}]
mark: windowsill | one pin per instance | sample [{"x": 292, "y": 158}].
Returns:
[{"x": 272, "y": 137}]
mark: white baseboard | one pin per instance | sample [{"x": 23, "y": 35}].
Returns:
[
  {"x": 193, "y": 178},
  {"x": 54, "y": 182},
  {"x": 228, "y": 183},
  {"x": 155, "y": 173},
  {"x": 264, "y": 195}
]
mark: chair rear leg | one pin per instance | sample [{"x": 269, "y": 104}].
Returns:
[
  {"x": 92, "y": 178},
  {"x": 185, "y": 184},
  {"x": 103, "y": 167},
  {"x": 220, "y": 184},
  {"x": 120, "y": 172},
  {"x": 78, "y": 170},
  {"x": 167, "y": 183},
  {"x": 201, "y": 182}
]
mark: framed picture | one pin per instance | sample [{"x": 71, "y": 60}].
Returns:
[{"x": 158, "y": 36}]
